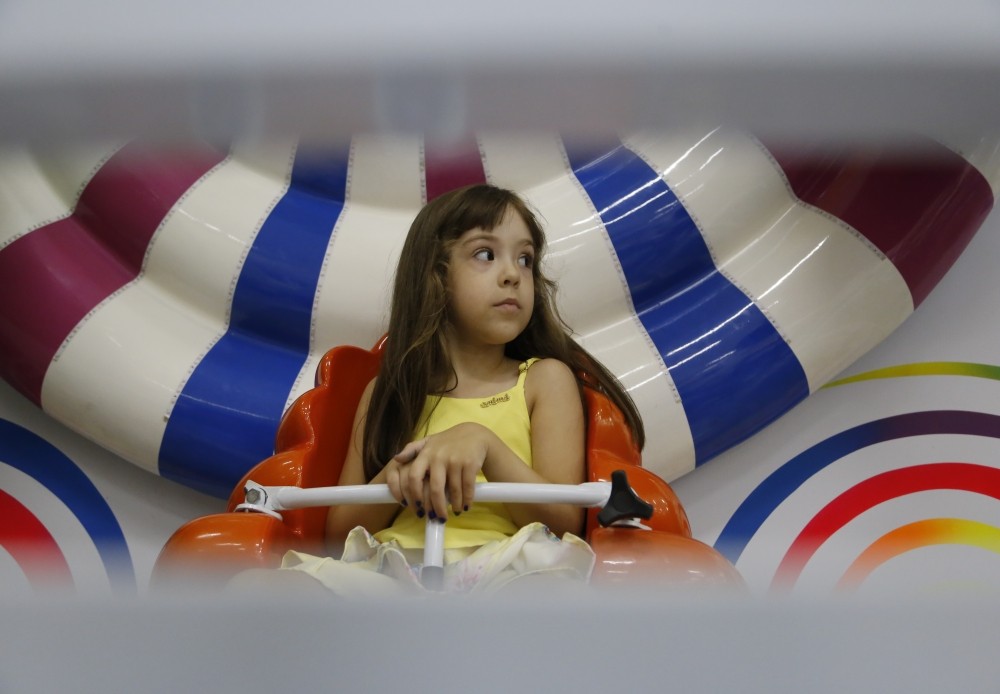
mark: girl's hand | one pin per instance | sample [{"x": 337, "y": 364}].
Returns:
[{"x": 429, "y": 473}]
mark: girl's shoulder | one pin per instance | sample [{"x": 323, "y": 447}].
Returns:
[
  {"x": 543, "y": 366},
  {"x": 548, "y": 376}
]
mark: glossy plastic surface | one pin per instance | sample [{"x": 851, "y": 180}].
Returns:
[
  {"x": 627, "y": 557},
  {"x": 170, "y": 305},
  {"x": 310, "y": 448},
  {"x": 312, "y": 443}
]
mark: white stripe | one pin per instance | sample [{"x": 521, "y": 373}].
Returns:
[
  {"x": 384, "y": 193},
  {"x": 81, "y": 554},
  {"x": 12, "y": 578},
  {"x": 593, "y": 295},
  {"x": 197, "y": 257},
  {"x": 826, "y": 289},
  {"x": 39, "y": 187},
  {"x": 118, "y": 375}
]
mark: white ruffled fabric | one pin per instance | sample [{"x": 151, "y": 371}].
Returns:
[{"x": 369, "y": 568}]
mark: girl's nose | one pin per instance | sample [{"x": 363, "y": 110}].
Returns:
[{"x": 509, "y": 274}]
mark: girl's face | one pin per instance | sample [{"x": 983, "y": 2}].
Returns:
[{"x": 490, "y": 283}]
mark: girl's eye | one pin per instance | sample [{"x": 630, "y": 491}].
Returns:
[
  {"x": 483, "y": 254},
  {"x": 526, "y": 260}
]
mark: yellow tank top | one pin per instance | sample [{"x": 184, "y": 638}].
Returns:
[{"x": 506, "y": 414}]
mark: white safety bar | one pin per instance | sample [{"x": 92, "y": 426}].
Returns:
[{"x": 273, "y": 500}]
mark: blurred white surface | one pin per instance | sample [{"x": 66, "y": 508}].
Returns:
[
  {"x": 616, "y": 644},
  {"x": 328, "y": 70}
]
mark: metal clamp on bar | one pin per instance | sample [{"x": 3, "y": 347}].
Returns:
[{"x": 258, "y": 500}]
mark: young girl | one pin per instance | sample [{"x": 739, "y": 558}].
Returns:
[{"x": 479, "y": 381}]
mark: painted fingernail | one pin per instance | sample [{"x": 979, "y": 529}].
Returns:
[
  {"x": 403, "y": 503},
  {"x": 465, "y": 508},
  {"x": 420, "y": 504},
  {"x": 441, "y": 521},
  {"x": 420, "y": 513},
  {"x": 432, "y": 515}
]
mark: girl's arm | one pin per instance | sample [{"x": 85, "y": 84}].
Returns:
[
  {"x": 442, "y": 468},
  {"x": 341, "y": 519},
  {"x": 558, "y": 446}
]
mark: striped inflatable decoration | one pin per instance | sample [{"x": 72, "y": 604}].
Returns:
[{"x": 170, "y": 305}]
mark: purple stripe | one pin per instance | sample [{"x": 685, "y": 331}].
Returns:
[
  {"x": 51, "y": 278},
  {"x": 919, "y": 208},
  {"x": 447, "y": 168}
]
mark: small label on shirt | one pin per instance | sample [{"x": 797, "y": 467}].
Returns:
[{"x": 495, "y": 400}]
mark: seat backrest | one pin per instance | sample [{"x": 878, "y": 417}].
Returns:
[
  {"x": 315, "y": 431},
  {"x": 607, "y": 429}
]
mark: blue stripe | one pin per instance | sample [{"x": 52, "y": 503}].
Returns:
[
  {"x": 225, "y": 420},
  {"x": 733, "y": 371},
  {"x": 50, "y": 467}
]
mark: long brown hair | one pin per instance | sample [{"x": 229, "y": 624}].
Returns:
[{"x": 415, "y": 361}]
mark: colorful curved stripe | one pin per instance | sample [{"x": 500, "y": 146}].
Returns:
[
  {"x": 906, "y": 538},
  {"x": 921, "y": 210},
  {"x": 447, "y": 168},
  {"x": 710, "y": 266},
  {"x": 40, "y": 460},
  {"x": 51, "y": 278},
  {"x": 783, "y": 482},
  {"x": 224, "y": 422},
  {"x": 32, "y": 546},
  {"x": 698, "y": 320},
  {"x": 928, "y": 368},
  {"x": 876, "y": 490}
]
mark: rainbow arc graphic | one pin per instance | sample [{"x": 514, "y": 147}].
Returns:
[
  {"x": 879, "y": 489},
  {"x": 25, "y": 536},
  {"x": 874, "y": 491},
  {"x": 931, "y": 531}
]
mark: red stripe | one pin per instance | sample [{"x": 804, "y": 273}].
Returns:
[
  {"x": 874, "y": 491},
  {"x": 920, "y": 208},
  {"x": 51, "y": 278},
  {"x": 452, "y": 166},
  {"x": 31, "y": 545}
]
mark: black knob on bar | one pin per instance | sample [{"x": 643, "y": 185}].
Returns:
[{"x": 623, "y": 503}]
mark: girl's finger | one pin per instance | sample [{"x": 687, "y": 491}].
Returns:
[
  {"x": 412, "y": 482},
  {"x": 456, "y": 492},
  {"x": 437, "y": 499},
  {"x": 392, "y": 481},
  {"x": 426, "y": 503},
  {"x": 411, "y": 451},
  {"x": 468, "y": 486}
]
